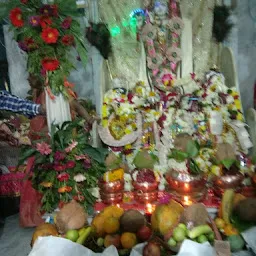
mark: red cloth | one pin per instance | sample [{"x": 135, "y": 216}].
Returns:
[{"x": 30, "y": 202}]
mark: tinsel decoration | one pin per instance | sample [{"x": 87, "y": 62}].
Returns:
[
  {"x": 221, "y": 23},
  {"x": 99, "y": 36}
]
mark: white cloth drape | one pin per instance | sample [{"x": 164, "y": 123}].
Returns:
[
  {"x": 17, "y": 65},
  {"x": 58, "y": 110}
]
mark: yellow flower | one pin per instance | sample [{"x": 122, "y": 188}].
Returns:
[
  {"x": 213, "y": 87},
  {"x": 203, "y": 128},
  {"x": 129, "y": 146},
  {"x": 152, "y": 94},
  {"x": 240, "y": 117},
  {"x": 104, "y": 111},
  {"x": 104, "y": 123},
  {"x": 238, "y": 104},
  {"x": 234, "y": 93},
  {"x": 216, "y": 108},
  {"x": 128, "y": 130}
]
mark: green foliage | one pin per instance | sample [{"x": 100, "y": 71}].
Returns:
[
  {"x": 46, "y": 178},
  {"x": 39, "y": 49}
]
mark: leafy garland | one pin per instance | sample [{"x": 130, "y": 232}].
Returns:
[
  {"x": 47, "y": 32},
  {"x": 65, "y": 166}
]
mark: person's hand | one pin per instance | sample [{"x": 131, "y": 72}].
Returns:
[{"x": 42, "y": 109}]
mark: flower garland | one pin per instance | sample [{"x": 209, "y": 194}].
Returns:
[{"x": 47, "y": 32}]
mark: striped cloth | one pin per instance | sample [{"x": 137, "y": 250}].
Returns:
[{"x": 15, "y": 104}]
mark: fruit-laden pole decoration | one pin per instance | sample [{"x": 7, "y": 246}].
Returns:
[{"x": 47, "y": 33}]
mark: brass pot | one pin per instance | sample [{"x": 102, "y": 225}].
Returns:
[
  {"x": 145, "y": 187},
  {"x": 111, "y": 198},
  {"x": 112, "y": 186},
  {"x": 184, "y": 184},
  {"x": 146, "y": 197},
  {"x": 231, "y": 181}
]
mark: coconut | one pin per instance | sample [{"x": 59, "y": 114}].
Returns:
[
  {"x": 144, "y": 159},
  {"x": 71, "y": 216},
  {"x": 181, "y": 141},
  {"x": 132, "y": 221},
  {"x": 225, "y": 151}
]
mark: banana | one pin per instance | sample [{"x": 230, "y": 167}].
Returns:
[
  {"x": 84, "y": 235},
  {"x": 227, "y": 204}
]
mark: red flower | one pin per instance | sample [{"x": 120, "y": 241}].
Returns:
[
  {"x": 66, "y": 23},
  {"x": 16, "y": 17},
  {"x": 79, "y": 198},
  {"x": 50, "y": 35},
  {"x": 45, "y": 21},
  {"x": 70, "y": 164},
  {"x": 49, "y": 10},
  {"x": 24, "y": 1},
  {"x": 63, "y": 177},
  {"x": 59, "y": 167},
  {"x": 50, "y": 64},
  {"x": 68, "y": 40}
]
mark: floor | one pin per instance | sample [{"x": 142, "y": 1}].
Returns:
[{"x": 14, "y": 241}]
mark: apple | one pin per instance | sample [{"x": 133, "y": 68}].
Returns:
[
  {"x": 144, "y": 233},
  {"x": 152, "y": 249},
  {"x": 112, "y": 240}
]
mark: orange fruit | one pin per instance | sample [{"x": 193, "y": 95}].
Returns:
[
  {"x": 111, "y": 225},
  {"x": 97, "y": 224},
  {"x": 113, "y": 211},
  {"x": 229, "y": 230},
  {"x": 128, "y": 240}
]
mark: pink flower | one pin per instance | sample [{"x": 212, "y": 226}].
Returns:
[
  {"x": 155, "y": 62},
  {"x": 70, "y": 164},
  {"x": 43, "y": 148},
  {"x": 148, "y": 32},
  {"x": 63, "y": 177},
  {"x": 175, "y": 25},
  {"x": 167, "y": 79},
  {"x": 87, "y": 163},
  {"x": 59, "y": 167},
  {"x": 81, "y": 157},
  {"x": 71, "y": 146},
  {"x": 173, "y": 54}
]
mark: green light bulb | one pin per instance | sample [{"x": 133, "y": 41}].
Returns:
[{"x": 115, "y": 31}]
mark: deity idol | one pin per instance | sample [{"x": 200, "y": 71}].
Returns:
[{"x": 170, "y": 101}]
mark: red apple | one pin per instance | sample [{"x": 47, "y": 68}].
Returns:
[
  {"x": 152, "y": 249},
  {"x": 144, "y": 233}
]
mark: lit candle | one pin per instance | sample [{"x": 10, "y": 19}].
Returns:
[
  {"x": 186, "y": 186},
  {"x": 187, "y": 201},
  {"x": 118, "y": 205}
]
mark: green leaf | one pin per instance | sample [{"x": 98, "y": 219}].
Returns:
[
  {"x": 192, "y": 148},
  {"x": 26, "y": 154},
  {"x": 97, "y": 154},
  {"x": 178, "y": 155},
  {"x": 194, "y": 168},
  {"x": 228, "y": 162}
]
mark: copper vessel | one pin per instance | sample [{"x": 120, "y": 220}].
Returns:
[
  {"x": 111, "y": 198},
  {"x": 146, "y": 197},
  {"x": 184, "y": 184},
  {"x": 145, "y": 186},
  {"x": 112, "y": 186},
  {"x": 231, "y": 181}
]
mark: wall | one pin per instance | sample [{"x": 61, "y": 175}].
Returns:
[{"x": 243, "y": 43}]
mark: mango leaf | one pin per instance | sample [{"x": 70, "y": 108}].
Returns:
[
  {"x": 194, "y": 168},
  {"x": 192, "y": 148},
  {"x": 228, "y": 162},
  {"x": 25, "y": 155},
  {"x": 178, "y": 155},
  {"x": 97, "y": 154}
]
